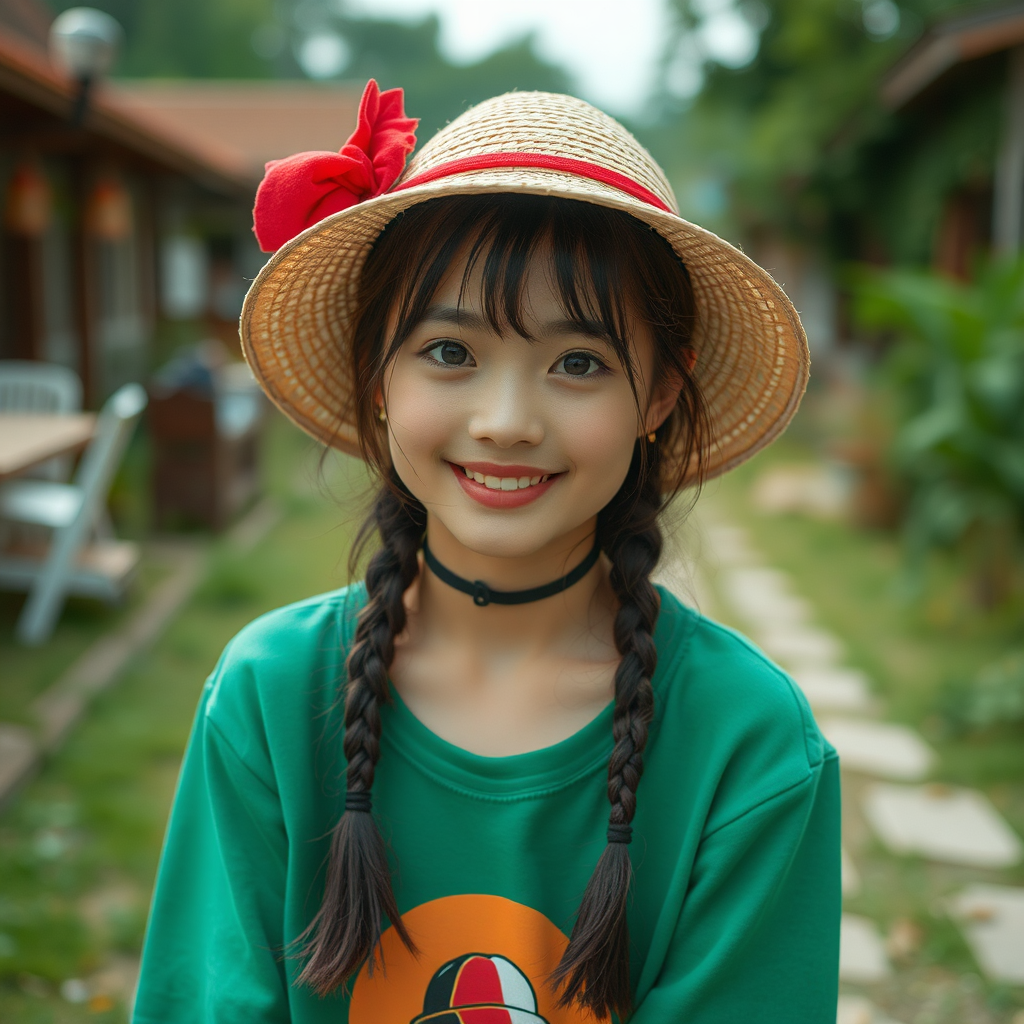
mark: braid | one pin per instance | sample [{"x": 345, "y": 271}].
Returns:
[
  {"x": 358, "y": 893},
  {"x": 595, "y": 966}
]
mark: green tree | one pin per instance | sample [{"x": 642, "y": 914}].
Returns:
[
  {"x": 187, "y": 38},
  {"x": 798, "y": 137},
  {"x": 436, "y": 91}
]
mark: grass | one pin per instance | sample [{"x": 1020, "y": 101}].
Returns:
[{"x": 78, "y": 851}]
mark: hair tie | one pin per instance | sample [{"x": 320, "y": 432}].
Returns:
[
  {"x": 620, "y": 833},
  {"x": 358, "y": 800}
]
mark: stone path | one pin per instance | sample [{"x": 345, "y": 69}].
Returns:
[{"x": 941, "y": 823}]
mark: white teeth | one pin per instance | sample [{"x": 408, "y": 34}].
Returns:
[{"x": 505, "y": 483}]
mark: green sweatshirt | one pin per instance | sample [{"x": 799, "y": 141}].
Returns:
[{"x": 734, "y": 917}]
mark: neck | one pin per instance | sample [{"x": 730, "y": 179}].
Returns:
[{"x": 448, "y": 610}]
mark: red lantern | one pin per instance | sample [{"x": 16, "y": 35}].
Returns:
[
  {"x": 28, "y": 208},
  {"x": 108, "y": 211}
]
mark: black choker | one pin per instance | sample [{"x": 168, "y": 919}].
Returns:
[{"x": 483, "y": 595}]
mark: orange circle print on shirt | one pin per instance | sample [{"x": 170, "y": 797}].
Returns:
[{"x": 482, "y": 960}]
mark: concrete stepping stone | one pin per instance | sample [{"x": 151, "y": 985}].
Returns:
[
  {"x": 878, "y": 748},
  {"x": 801, "y": 646},
  {"x": 992, "y": 919},
  {"x": 850, "y": 875},
  {"x": 730, "y": 545},
  {"x": 943, "y": 823},
  {"x": 858, "y": 1010},
  {"x": 861, "y": 950},
  {"x": 764, "y": 597},
  {"x": 833, "y": 688},
  {"x": 817, "y": 490}
]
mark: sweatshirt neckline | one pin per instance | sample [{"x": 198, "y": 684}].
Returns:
[{"x": 535, "y": 772}]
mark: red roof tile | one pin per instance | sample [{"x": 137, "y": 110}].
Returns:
[{"x": 255, "y": 121}]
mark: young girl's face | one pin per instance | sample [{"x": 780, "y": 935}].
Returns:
[{"x": 513, "y": 443}]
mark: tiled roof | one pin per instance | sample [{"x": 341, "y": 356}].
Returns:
[
  {"x": 27, "y": 76},
  {"x": 254, "y": 121}
]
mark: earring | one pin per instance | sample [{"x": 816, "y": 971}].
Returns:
[
  {"x": 652, "y": 437},
  {"x": 382, "y": 415}
]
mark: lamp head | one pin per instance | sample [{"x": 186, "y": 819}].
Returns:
[{"x": 83, "y": 42}]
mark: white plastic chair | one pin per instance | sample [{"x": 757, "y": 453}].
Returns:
[
  {"x": 73, "y": 512},
  {"x": 32, "y": 387}
]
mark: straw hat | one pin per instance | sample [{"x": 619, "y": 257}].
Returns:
[{"x": 752, "y": 361}]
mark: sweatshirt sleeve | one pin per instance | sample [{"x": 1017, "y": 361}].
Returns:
[
  {"x": 213, "y": 946},
  {"x": 758, "y": 935}
]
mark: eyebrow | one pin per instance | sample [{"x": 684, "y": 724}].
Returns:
[
  {"x": 586, "y": 328},
  {"x": 455, "y": 316},
  {"x": 459, "y": 317}
]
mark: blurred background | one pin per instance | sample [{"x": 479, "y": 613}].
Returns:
[{"x": 868, "y": 153}]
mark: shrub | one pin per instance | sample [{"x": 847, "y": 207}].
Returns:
[{"x": 957, "y": 369}]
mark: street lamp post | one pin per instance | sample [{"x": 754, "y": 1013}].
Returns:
[{"x": 83, "y": 43}]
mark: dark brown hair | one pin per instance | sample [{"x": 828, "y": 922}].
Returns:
[{"x": 606, "y": 264}]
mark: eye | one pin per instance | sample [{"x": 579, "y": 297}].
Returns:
[
  {"x": 579, "y": 364},
  {"x": 448, "y": 353}
]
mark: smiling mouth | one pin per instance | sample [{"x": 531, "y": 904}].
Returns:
[{"x": 506, "y": 483}]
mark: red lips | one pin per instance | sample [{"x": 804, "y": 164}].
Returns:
[{"x": 502, "y": 499}]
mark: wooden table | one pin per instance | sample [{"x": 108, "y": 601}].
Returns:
[{"x": 27, "y": 439}]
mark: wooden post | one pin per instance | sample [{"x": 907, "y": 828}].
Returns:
[
  {"x": 25, "y": 296},
  {"x": 1008, "y": 205},
  {"x": 84, "y": 261}
]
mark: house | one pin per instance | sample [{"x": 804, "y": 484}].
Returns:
[
  {"x": 107, "y": 227},
  {"x": 927, "y": 172},
  {"x": 970, "y": 66},
  {"x": 246, "y": 123}
]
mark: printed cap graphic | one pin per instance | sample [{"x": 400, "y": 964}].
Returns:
[{"x": 478, "y": 988}]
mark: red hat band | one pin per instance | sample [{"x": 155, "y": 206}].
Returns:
[{"x": 569, "y": 165}]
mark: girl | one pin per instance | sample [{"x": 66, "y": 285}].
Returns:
[{"x": 506, "y": 779}]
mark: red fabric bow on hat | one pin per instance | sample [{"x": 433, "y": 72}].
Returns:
[{"x": 303, "y": 189}]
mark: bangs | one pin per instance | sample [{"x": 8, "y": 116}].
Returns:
[{"x": 497, "y": 238}]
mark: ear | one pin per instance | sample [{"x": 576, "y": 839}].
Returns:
[{"x": 663, "y": 401}]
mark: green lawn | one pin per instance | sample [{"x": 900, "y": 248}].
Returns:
[{"x": 78, "y": 850}]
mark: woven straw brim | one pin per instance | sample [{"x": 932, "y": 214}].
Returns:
[{"x": 752, "y": 362}]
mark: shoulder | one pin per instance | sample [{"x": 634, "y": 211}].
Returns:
[
  {"x": 746, "y": 722},
  {"x": 284, "y": 664},
  {"x": 296, "y": 632}
]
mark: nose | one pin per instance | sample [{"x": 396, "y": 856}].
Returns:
[{"x": 507, "y": 412}]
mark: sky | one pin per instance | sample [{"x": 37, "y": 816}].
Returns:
[{"x": 610, "y": 47}]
